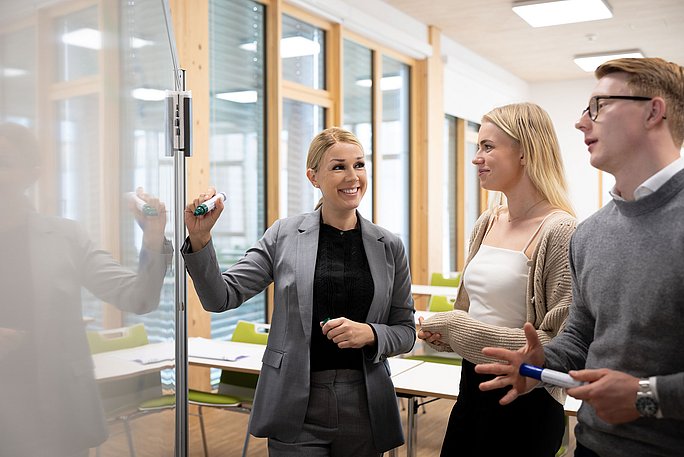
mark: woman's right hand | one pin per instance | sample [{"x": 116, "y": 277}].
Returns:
[{"x": 199, "y": 227}]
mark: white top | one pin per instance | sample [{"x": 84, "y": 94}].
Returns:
[{"x": 496, "y": 283}]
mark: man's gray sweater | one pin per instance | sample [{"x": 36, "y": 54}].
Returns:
[{"x": 627, "y": 262}]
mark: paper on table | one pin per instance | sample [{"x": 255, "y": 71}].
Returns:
[
  {"x": 210, "y": 349},
  {"x": 150, "y": 353}
]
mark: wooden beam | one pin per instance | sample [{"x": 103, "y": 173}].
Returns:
[{"x": 191, "y": 28}]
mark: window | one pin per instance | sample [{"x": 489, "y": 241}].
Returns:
[
  {"x": 472, "y": 196},
  {"x": 237, "y": 143},
  {"x": 461, "y": 190},
  {"x": 450, "y": 192},
  {"x": 302, "y": 50},
  {"x": 393, "y": 165},
  {"x": 303, "y": 55},
  {"x": 301, "y": 122},
  {"x": 358, "y": 109}
]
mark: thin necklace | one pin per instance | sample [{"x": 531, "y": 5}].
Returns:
[{"x": 511, "y": 219}]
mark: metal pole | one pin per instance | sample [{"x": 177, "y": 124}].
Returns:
[
  {"x": 181, "y": 312},
  {"x": 179, "y": 128}
]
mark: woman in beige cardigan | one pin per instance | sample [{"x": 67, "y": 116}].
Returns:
[{"x": 517, "y": 271}]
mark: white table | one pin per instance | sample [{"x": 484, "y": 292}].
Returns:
[
  {"x": 426, "y": 379},
  {"x": 419, "y": 289},
  {"x": 240, "y": 357},
  {"x": 413, "y": 379},
  {"x": 125, "y": 363}
]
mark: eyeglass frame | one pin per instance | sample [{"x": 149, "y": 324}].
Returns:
[{"x": 595, "y": 99}]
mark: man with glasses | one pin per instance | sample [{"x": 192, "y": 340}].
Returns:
[{"x": 623, "y": 338}]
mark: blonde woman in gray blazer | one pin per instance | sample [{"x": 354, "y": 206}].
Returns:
[{"x": 342, "y": 306}]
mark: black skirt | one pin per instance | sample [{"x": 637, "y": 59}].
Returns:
[{"x": 532, "y": 425}]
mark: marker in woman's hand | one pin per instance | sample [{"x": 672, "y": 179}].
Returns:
[
  {"x": 210, "y": 204},
  {"x": 554, "y": 377}
]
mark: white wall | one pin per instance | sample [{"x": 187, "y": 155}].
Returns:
[
  {"x": 474, "y": 85},
  {"x": 564, "y": 101}
]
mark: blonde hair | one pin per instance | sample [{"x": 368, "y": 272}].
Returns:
[
  {"x": 325, "y": 140},
  {"x": 654, "y": 77},
  {"x": 531, "y": 127}
]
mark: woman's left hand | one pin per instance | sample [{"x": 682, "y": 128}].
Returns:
[
  {"x": 346, "y": 333},
  {"x": 429, "y": 337}
]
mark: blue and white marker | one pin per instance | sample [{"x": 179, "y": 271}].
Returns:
[{"x": 548, "y": 376}]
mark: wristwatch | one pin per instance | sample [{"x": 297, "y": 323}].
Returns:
[{"x": 646, "y": 402}]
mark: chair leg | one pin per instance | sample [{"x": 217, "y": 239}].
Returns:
[
  {"x": 129, "y": 436},
  {"x": 244, "y": 446},
  {"x": 203, "y": 432}
]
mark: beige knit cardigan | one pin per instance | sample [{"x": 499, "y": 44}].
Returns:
[{"x": 548, "y": 297}]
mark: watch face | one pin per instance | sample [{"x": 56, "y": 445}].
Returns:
[{"x": 647, "y": 406}]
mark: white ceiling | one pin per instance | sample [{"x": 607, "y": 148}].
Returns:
[{"x": 491, "y": 29}]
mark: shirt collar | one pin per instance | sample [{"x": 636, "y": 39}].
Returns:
[{"x": 653, "y": 183}]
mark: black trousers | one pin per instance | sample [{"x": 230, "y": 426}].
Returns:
[
  {"x": 533, "y": 425},
  {"x": 581, "y": 451}
]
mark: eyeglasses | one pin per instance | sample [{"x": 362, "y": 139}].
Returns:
[{"x": 594, "y": 106}]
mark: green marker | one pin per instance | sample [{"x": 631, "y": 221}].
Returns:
[
  {"x": 209, "y": 205},
  {"x": 142, "y": 205},
  {"x": 325, "y": 321}
]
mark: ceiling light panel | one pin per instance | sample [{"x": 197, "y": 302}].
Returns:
[
  {"x": 544, "y": 14},
  {"x": 589, "y": 62}
]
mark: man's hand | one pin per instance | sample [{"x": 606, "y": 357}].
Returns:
[
  {"x": 507, "y": 373},
  {"x": 611, "y": 393}
]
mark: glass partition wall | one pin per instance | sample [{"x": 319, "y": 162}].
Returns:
[{"x": 88, "y": 196}]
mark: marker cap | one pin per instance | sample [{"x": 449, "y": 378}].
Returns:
[{"x": 531, "y": 371}]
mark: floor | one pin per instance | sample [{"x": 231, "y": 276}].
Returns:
[{"x": 226, "y": 433}]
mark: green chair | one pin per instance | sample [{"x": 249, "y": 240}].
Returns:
[
  {"x": 438, "y": 279},
  {"x": 439, "y": 303},
  {"x": 563, "y": 449},
  {"x": 125, "y": 399},
  {"x": 236, "y": 390}
]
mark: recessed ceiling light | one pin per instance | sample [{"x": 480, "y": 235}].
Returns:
[
  {"x": 83, "y": 38},
  {"x": 148, "y": 95},
  {"x": 298, "y": 46},
  {"x": 544, "y": 13},
  {"x": 589, "y": 62},
  {"x": 9, "y": 72},
  {"x": 92, "y": 39},
  {"x": 241, "y": 96},
  {"x": 386, "y": 82}
]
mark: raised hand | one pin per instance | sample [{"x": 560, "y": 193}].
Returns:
[
  {"x": 199, "y": 227},
  {"x": 150, "y": 214},
  {"x": 507, "y": 372}
]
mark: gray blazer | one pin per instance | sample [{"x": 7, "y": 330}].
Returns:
[
  {"x": 62, "y": 260},
  {"x": 286, "y": 256}
]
